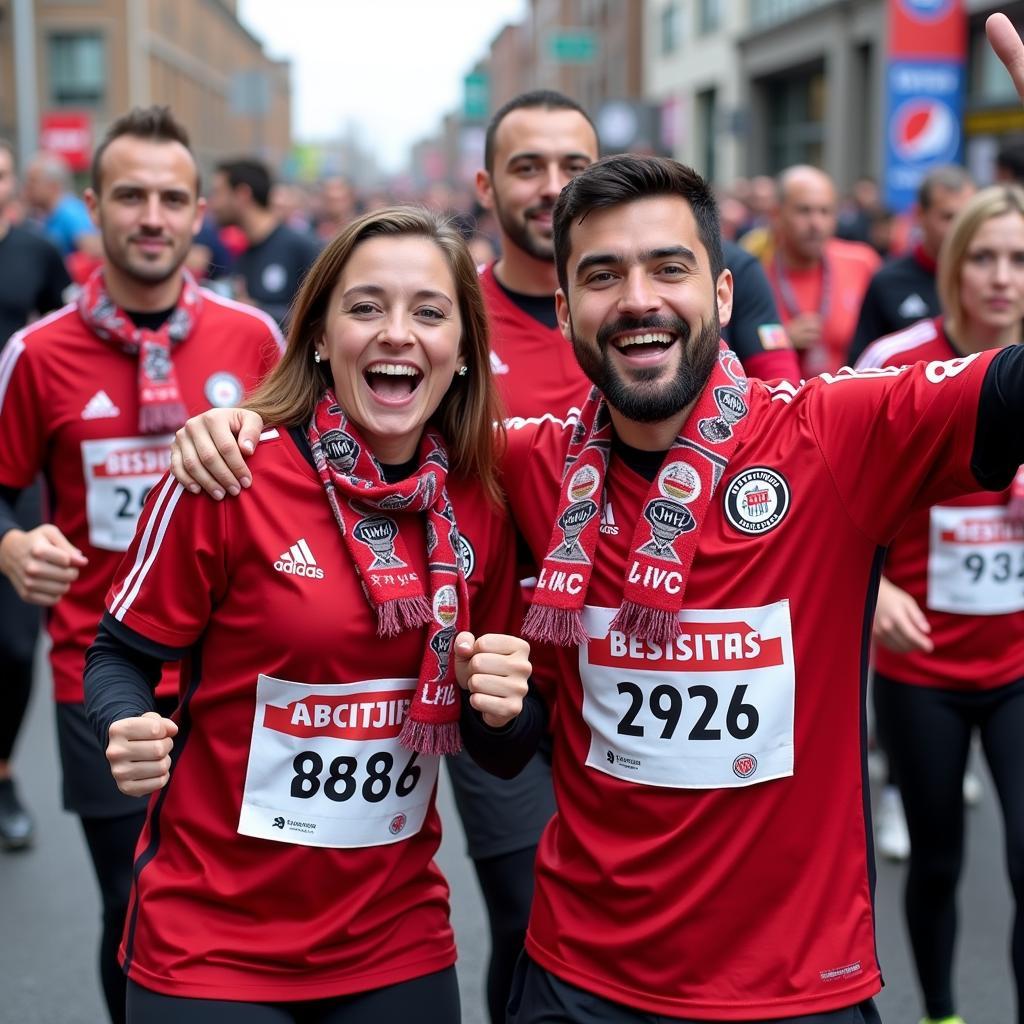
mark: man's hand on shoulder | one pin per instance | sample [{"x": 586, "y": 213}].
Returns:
[{"x": 207, "y": 454}]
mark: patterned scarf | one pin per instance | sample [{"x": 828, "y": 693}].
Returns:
[
  {"x": 161, "y": 408},
  {"x": 667, "y": 533},
  {"x": 373, "y": 516}
]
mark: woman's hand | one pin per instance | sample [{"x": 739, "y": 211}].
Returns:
[
  {"x": 139, "y": 753},
  {"x": 207, "y": 451},
  {"x": 900, "y": 625},
  {"x": 494, "y": 668}
]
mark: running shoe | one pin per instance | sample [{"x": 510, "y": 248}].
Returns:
[
  {"x": 15, "y": 823},
  {"x": 891, "y": 834}
]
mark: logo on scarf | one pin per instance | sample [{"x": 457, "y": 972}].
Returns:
[
  {"x": 421, "y": 497},
  {"x": 668, "y": 520},
  {"x": 467, "y": 557},
  {"x": 730, "y": 362},
  {"x": 378, "y": 533},
  {"x": 341, "y": 449},
  {"x": 680, "y": 482},
  {"x": 731, "y": 407},
  {"x": 572, "y": 522},
  {"x": 156, "y": 362},
  {"x": 584, "y": 483},
  {"x": 446, "y": 611},
  {"x": 757, "y": 500}
]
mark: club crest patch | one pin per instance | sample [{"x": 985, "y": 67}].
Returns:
[{"x": 757, "y": 500}]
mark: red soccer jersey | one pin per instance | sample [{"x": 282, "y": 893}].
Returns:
[
  {"x": 533, "y": 365},
  {"x": 846, "y": 272},
  {"x": 710, "y": 853},
  {"x": 69, "y": 408},
  {"x": 290, "y": 855},
  {"x": 962, "y": 561}
]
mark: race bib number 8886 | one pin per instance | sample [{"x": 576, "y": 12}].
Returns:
[
  {"x": 326, "y": 768},
  {"x": 712, "y": 709}
]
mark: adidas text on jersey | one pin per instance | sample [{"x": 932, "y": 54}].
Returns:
[{"x": 298, "y": 560}]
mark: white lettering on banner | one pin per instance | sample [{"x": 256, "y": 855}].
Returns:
[
  {"x": 712, "y": 708},
  {"x": 326, "y": 767},
  {"x": 119, "y": 473},
  {"x": 975, "y": 560}
]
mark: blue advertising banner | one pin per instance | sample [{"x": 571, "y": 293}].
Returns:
[{"x": 923, "y": 126}]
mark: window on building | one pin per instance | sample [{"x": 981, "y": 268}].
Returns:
[
  {"x": 796, "y": 120},
  {"x": 707, "y": 124},
  {"x": 671, "y": 27},
  {"x": 77, "y": 68},
  {"x": 709, "y": 16}
]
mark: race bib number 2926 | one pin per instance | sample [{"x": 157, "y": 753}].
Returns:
[
  {"x": 326, "y": 768},
  {"x": 712, "y": 709}
]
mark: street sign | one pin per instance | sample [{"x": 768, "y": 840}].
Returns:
[
  {"x": 476, "y": 96},
  {"x": 573, "y": 46}
]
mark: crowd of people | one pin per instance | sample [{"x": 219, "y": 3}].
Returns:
[{"x": 568, "y": 487}]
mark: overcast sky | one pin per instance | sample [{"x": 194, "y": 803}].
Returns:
[{"x": 392, "y": 67}]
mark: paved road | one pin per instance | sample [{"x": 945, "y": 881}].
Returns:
[{"x": 50, "y": 913}]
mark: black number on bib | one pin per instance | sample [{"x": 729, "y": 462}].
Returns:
[
  {"x": 124, "y": 509},
  {"x": 341, "y": 783},
  {"x": 342, "y": 770},
  {"x": 738, "y": 710},
  {"x": 669, "y": 715},
  {"x": 410, "y": 776},
  {"x": 975, "y": 565},
  {"x": 701, "y": 731},
  {"x": 377, "y": 775},
  {"x": 307, "y": 781},
  {"x": 666, "y": 704},
  {"x": 636, "y": 702},
  {"x": 1003, "y": 569}
]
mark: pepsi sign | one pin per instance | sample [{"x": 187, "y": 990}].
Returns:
[
  {"x": 925, "y": 101},
  {"x": 927, "y": 10}
]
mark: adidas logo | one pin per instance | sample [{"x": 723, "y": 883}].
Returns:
[
  {"x": 298, "y": 560},
  {"x": 913, "y": 307},
  {"x": 100, "y": 407},
  {"x": 608, "y": 520},
  {"x": 497, "y": 366}
]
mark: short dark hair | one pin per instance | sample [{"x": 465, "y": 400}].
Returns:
[
  {"x": 155, "y": 123},
  {"x": 538, "y": 99},
  {"x": 1011, "y": 160},
  {"x": 951, "y": 177},
  {"x": 625, "y": 178},
  {"x": 251, "y": 172}
]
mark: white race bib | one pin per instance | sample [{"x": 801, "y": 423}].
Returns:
[
  {"x": 326, "y": 768},
  {"x": 713, "y": 709},
  {"x": 975, "y": 561},
  {"x": 119, "y": 473}
]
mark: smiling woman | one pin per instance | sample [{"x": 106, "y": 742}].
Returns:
[{"x": 325, "y": 619}]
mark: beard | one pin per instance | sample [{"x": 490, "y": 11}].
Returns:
[
  {"x": 646, "y": 398},
  {"x": 140, "y": 270},
  {"x": 519, "y": 234}
]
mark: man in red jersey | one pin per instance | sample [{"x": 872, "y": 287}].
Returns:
[
  {"x": 90, "y": 396},
  {"x": 818, "y": 280}
]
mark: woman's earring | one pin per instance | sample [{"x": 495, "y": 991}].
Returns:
[
  {"x": 316, "y": 357},
  {"x": 463, "y": 370}
]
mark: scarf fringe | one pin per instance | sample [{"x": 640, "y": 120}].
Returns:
[
  {"x": 645, "y": 622},
  {"x": 561, "y": 626},
  {"x": 402, "y": 613},
  {"x": 431, "y": 737},
  {"x": 160, "y": 418}
]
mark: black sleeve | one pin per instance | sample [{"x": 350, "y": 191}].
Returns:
[
  {"x": 8, "y": 520},
  {"x": 753, "y": 304},
  {"x": 870, "y": 325},
  {"x": 57, "y": 281},
  {"x": 122, "y": 670},
  {"x": 504, "y": 752},
  {"x": 999, "y": 437}
]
